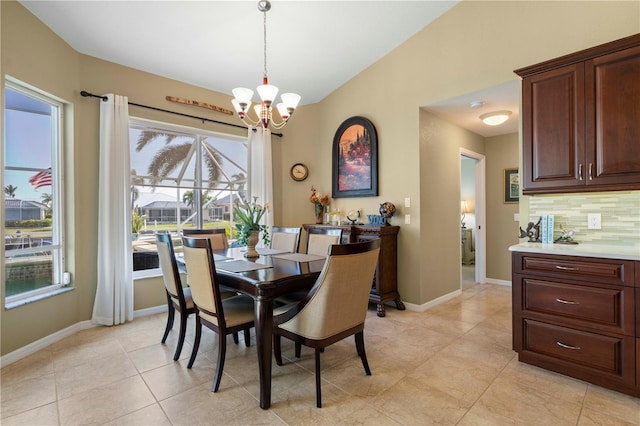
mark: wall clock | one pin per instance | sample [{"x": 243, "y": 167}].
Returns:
[{"x": 299, "y": 172}]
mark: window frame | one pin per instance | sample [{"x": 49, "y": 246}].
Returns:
[{"x": 60, "y": 280}]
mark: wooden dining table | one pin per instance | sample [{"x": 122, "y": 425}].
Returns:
[{"x": 278, "y": 274}]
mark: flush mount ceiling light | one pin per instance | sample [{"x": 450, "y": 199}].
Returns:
[
  {"x": 267, "y": 92},
  {"x": 495, "y": 118}
]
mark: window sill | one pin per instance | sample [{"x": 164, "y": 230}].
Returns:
[
  {"x": 26, "y": 301},
  {"x": 146, "y": 273}
]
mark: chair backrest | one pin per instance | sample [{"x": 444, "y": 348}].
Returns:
[
  {"x": 169, "y": 267},
  {"x": 217, "y": 236},
  {"x": 201, "y": 270},
  {"x": 339, "y": 299},
  {"x": 320, "y": 239},
  {"x": 283, "y": 238}
]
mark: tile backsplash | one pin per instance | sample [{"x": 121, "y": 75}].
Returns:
[{"x": 620, "y": 212}]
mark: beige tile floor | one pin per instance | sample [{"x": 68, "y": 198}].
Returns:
[{"x": 451, "y": 365}]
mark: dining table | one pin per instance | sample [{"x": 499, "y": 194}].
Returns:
[{"x": 274, "y": 273}]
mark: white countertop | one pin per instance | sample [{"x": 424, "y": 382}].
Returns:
[{"x": 589, "y": 250}]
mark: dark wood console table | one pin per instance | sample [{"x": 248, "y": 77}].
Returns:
[{"x": 385, "y": 281}]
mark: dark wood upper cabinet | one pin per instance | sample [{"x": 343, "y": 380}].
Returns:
[{"x": 581, "y": 120}]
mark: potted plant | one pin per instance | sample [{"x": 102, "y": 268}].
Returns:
[
  {"x": 248, "y": 227},
  {"x": 137, "y": 222}
]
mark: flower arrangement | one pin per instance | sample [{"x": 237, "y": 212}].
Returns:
[
  {"x": 317, "y": 199},
  {"x": 248, "y": 216}
]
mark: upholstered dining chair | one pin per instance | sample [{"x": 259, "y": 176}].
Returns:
[
  {"x": 336, "y": 306},
  {"x": 178, "y": 298},
  {"x": 218, "y": 236},
  {"x": 320, "y": 239},
  {"x": 285, "y": 238},
  {"x": 223, "y": 316}
]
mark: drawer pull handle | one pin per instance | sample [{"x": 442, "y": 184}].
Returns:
[
  {"x": 567, "y": 302},
  {"x": 573, "y": 348},
  {"x": 580, "y": 172},
  {"x": 566, "y": 268}
]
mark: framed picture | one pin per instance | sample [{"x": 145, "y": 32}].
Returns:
[
  {"x": 355, "y": 159},
  {"x": 511, "y": 186}
]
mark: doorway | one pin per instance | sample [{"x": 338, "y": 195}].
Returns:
[{"x": 472, "y": 214}]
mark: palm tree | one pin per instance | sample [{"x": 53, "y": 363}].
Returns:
[
  {"x": 46, "y": 199},
  {"x": 170, "y": 157},
  {"x": 135, "y": 180},
  {"x": 239, "y": 183},
  {"x": 187, "y": 198},
  {"x": 10, "y": 191}
]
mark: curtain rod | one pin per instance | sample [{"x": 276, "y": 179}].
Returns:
[{"x": 85, "y": 94}]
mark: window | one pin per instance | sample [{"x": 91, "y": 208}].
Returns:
[
  {"x": 182, "y": 178},
  {"x": 32, "y": 227}
]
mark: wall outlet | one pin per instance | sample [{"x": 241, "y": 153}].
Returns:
[
  {"x": 407, "y": 219},
  {"x": 66, "y": 278},
  {"x": 516, "y": 217},
  {"x": 594, "y": 221}
]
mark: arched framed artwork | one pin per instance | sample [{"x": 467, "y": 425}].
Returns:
[{"x": 355, "y": 159}]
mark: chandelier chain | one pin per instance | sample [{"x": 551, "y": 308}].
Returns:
[{"x": 265, "y": 41}]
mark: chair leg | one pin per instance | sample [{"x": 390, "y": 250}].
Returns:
[
  {"x": 318, "y": 388},
  {"x": 196, "y": 342},
  {"x": 183, "y": 332},
  {"x": 235, "y": 338},
  {"x": 172, "y": 313},
  {"x": 277, "y": 349},
  {"x": 247, "y": 337},
  {"x": 363, "y": 355},
  {"x": 222, "y": 350},
  {"x": 298, "y": 349}
]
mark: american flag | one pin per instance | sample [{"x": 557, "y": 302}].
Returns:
[{"x": 41, "y": 179}]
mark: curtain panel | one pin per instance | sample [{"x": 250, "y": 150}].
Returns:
[{"x": 114, "y": 294}]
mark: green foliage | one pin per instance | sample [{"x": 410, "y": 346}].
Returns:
[
  {"x": 32, "y": 223},
  {"x": 248, "y": 218},
  {"x": 137, "y": 220}
]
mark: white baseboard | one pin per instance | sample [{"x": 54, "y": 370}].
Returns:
[
  {"x": 34, "y": 347},
  {"x": 430, "y": 304},
  {"x": 498, "y": 282}
]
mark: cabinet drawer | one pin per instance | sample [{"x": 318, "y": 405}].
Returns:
[
  {"x": 608, "y": 308},
  {"x": 596, "y": 352},
  {"x": 606, "y": 271}
]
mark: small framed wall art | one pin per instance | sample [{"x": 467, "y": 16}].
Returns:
[
  {"x": 355, "y": 159},
  {"x": 511, "y": 186}
]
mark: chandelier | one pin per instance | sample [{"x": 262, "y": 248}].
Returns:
[{"x": 267, "y": 92}]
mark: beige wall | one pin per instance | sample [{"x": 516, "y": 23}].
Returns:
[
  {"x": 474, "y": 46},
  {"x": 502, "y": 230}
]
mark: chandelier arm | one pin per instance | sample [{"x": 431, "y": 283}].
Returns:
[{"x": 249, "y": 122}]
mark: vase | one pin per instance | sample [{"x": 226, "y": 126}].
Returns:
[
  {"x": 319, "y": 213},
  {"x": 252, "y": 241}
]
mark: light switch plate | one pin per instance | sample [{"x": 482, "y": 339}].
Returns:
[
  {"x": 407, "y": 202},
  {"x": 594, "y": 221}
]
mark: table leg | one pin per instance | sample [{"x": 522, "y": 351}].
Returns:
[{"x": 264, "y": 340}]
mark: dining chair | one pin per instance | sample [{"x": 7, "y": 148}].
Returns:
[
  {"x": 320, "y": 239},
  {"x": 178, "y": 298},
  {"x": 284, "y": 238},
  {"x": 335, "y": 307},
  {"x": 218, "y": 236},
  {"x": 223, "y": 316}
]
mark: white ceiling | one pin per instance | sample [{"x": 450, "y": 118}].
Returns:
[{"x": 313, "y": 47}]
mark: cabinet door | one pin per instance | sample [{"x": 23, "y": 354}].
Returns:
[
  {"x": 613, "y": 118},
  {"x": 553, "y": 129}
]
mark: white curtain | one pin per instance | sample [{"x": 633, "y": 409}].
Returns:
[
  {"x": 114, "y": 294},
  {"x": 261, "y": 170}
]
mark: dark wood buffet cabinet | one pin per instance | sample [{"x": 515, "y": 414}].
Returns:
[
  {"x": 579, "y": 316},
  {"x": 581, "y": 120},
  {"x": 385, "y": 281}
]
